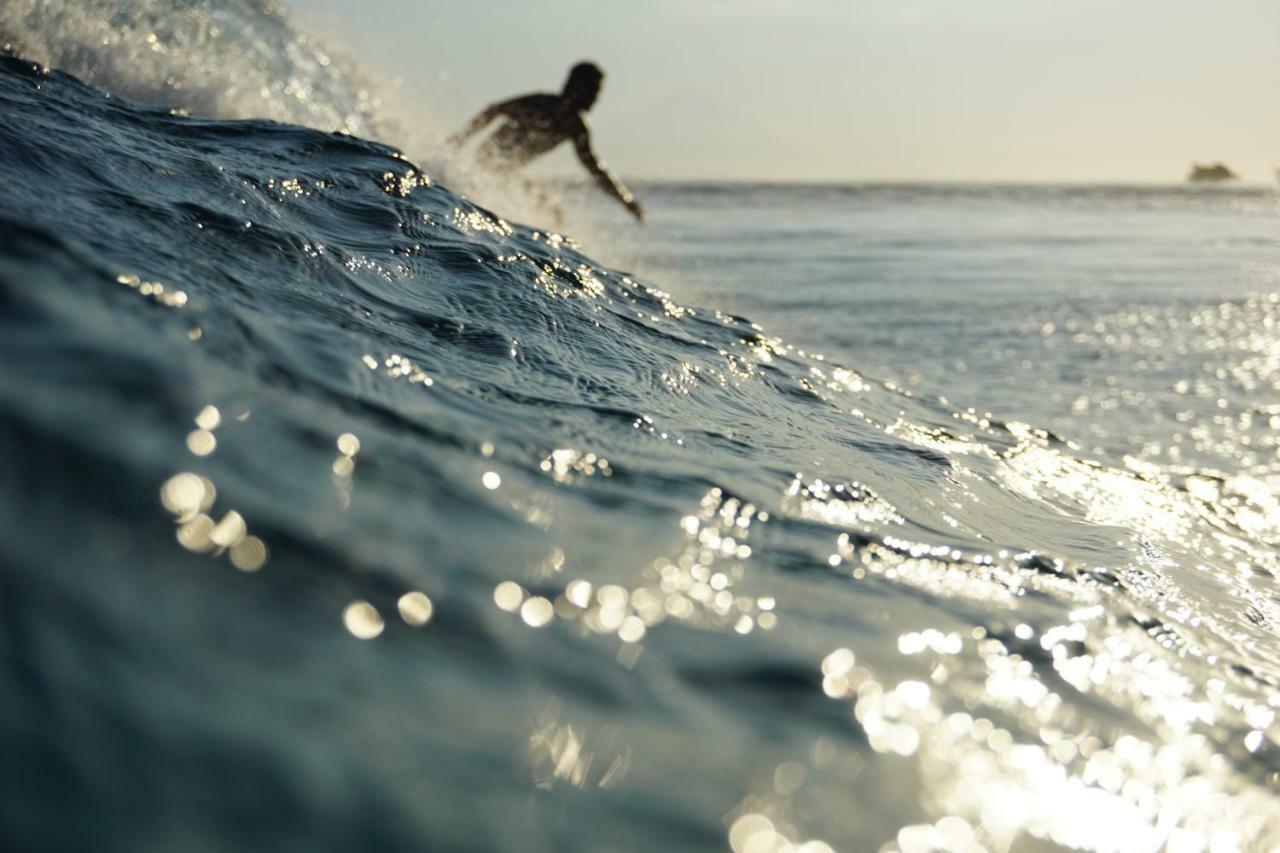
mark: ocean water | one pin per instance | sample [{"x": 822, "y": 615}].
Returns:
[{"x": 342, "y": 512}]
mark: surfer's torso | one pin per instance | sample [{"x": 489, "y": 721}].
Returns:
[{"x": 534, "y": 125}]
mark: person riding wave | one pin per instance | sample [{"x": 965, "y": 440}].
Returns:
[{"x": 537, "y": 123}]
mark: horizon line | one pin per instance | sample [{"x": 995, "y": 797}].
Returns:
[{"x": 1251, "y": 184}]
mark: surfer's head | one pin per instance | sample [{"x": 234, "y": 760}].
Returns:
[{"x": 583, "y": 85}]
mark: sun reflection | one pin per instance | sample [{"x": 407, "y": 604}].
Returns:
[
  {"x": 190, "y": 498},
  {"x": 209, "y": 418},
  {"x": 154, "y": 290},
  {"x": 697, "y": 587},
  {"x": 344, "y": 467},
  {"x": 415, "y": 608},
  {"x": 201, "y": 442},
  {"x": 508, "y": 595},
  {"x": 566, "y": 463},
  {"x": 396, "y": 366},
  {"x": 536, "y": 611},
  {"x": 847, "y": 505},
  {"x": 249, "y": 554},
  {"x": 952, "y": 834},
  {"x": 561, "y": 753},
  {"x": 985, "y": 774},
  {"x": 756, "y": 833},
  {"x": 363, "y": 620},
  {"x": 404, "y": 184}
]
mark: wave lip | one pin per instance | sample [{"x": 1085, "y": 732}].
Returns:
[{"x": 237, "y": 59}]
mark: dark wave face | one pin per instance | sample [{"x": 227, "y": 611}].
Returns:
[{"x": 340, "y": 513}]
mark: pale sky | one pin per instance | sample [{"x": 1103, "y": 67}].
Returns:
[{"x": 1073, "y": 90}]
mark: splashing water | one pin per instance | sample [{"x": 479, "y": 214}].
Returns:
[{"x": 236, "y": 59}]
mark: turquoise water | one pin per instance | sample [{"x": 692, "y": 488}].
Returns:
[{"x": 342, "y": 513}]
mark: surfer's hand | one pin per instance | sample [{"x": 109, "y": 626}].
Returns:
[{"x": 636, "y": 210}]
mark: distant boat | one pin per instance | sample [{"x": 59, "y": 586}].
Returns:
[{"x": 1201, "y": 173}]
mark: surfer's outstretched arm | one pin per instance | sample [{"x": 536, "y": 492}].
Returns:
[
  {"x": 478, "y": 123},
  {"x": 603, "y": 177}
]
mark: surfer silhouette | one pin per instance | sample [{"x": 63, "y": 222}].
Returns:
[{"x": 537, "y": 123}]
